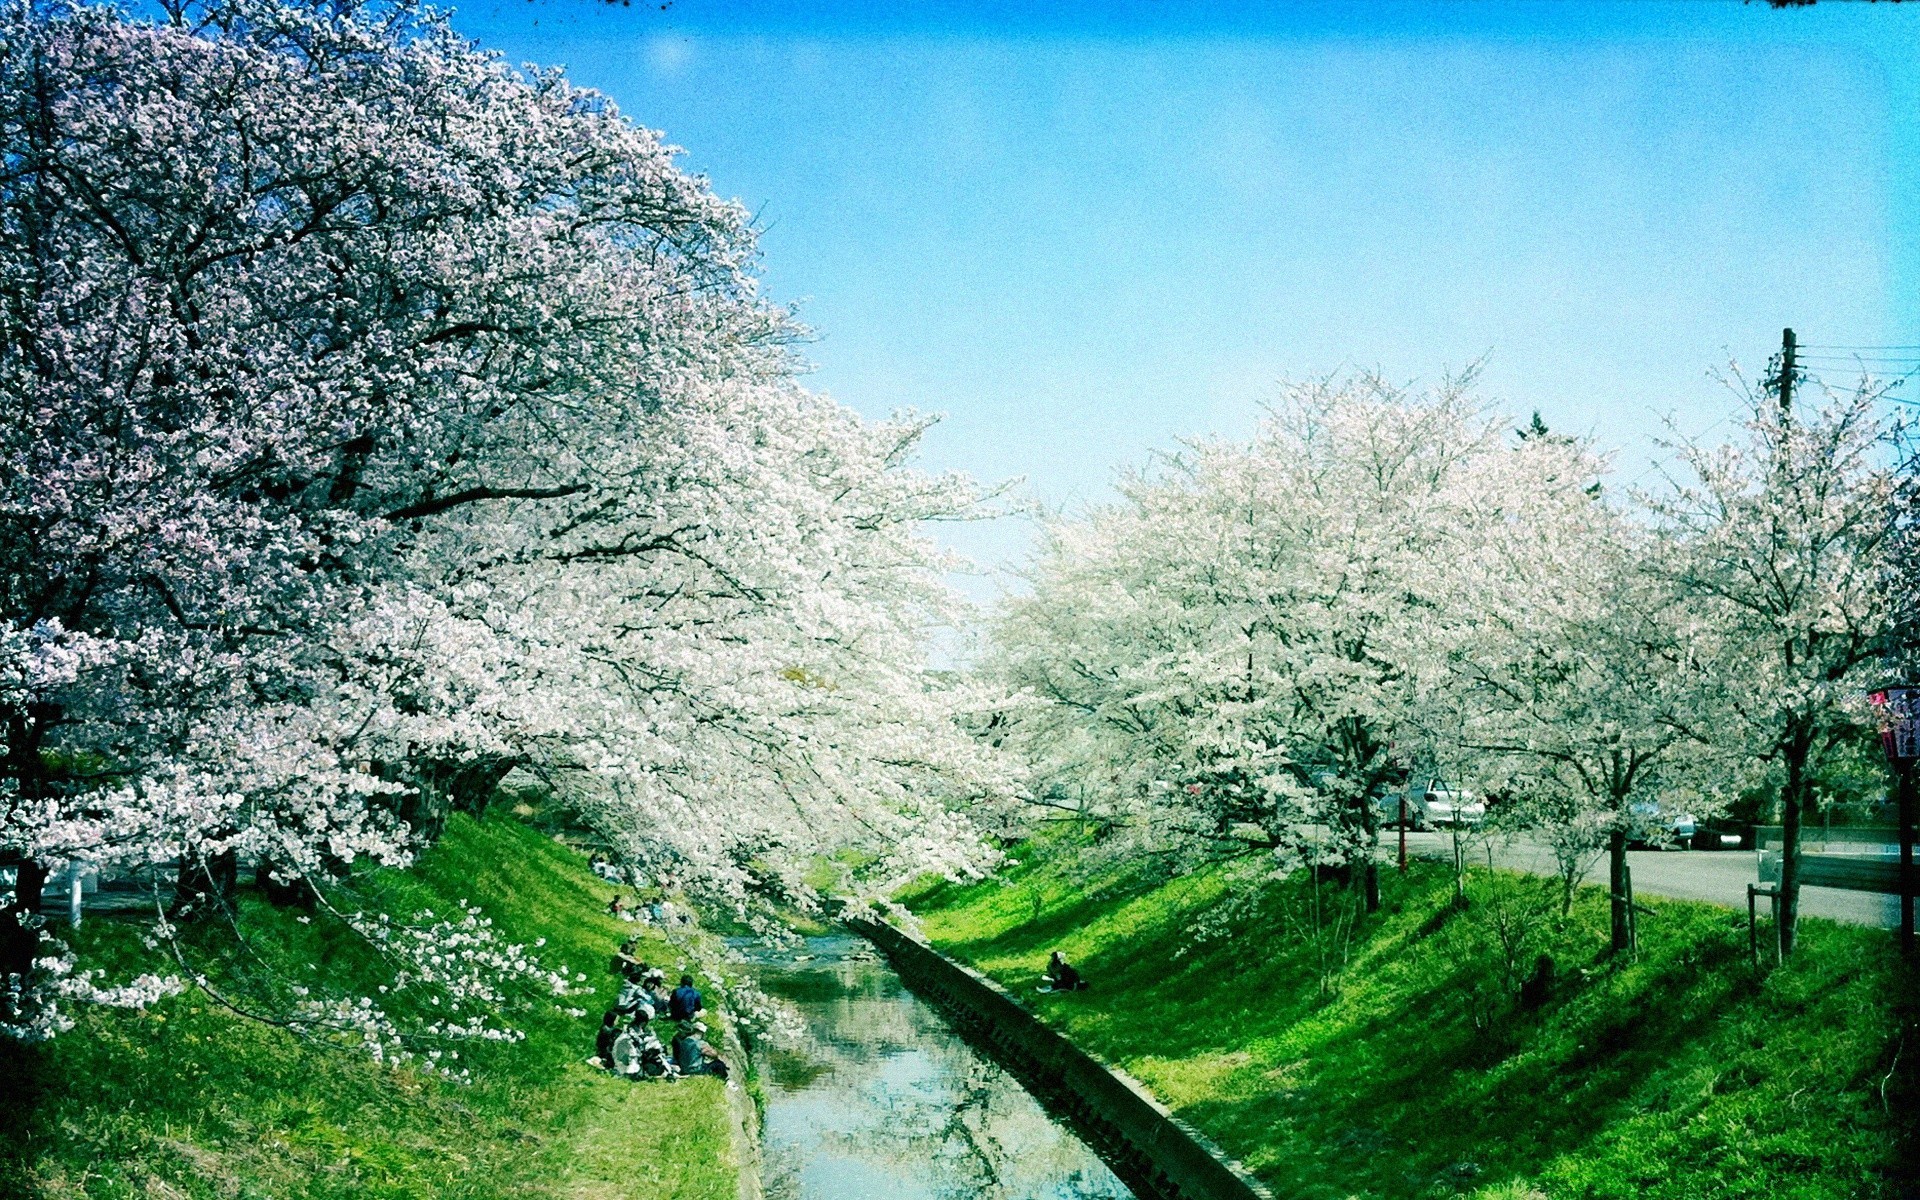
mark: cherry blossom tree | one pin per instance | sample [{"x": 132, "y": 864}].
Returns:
[
  {"x": 1781, "y": 541},
  {"x": 1570, "y": 680},
  {"x": 386, "y": 418},
  {"x": 1231, "y": 653}
]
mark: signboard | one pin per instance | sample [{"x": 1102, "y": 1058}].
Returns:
[{"x": 1899, "y": 722}]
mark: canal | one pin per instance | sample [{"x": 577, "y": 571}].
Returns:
[{"x": 875, "y": 1098}]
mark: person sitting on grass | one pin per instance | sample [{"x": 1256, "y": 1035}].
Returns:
[
  {"x": 686, "y": 1049},
  {"x": 685, "y": 1002},
  {"x": 603, "y": 1042},
  {"x": 693, "y": 1056},
  {"x": 625, "y": 1058},
  {"x": 616, "y": 907},
  {"x": 624, "y": 963},
  {"x": 633, "y": 993},
  {"x": 716, "y": 1066},
  {"x": 654, "y": 981},
  {"x": 1061, "y": 977},
  {"x": 654, "y": 1063},
  {"x": 637, "y": 1052}
]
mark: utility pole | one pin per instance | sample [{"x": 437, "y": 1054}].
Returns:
[
  {"x": 1787, "y": 347},
  {"x": 1787, "y": 908}
]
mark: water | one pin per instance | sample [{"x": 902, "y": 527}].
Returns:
[{"x": 879, "y": 1100}]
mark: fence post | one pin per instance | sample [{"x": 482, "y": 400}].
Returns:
[
  {"x": 1633, "y": 915},
  {"x": 1403, "y": 834}
]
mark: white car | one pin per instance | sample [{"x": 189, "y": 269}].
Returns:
[
  {"x": 1431, "y": 804},
  {"x": 1450, "y": 806},
  {"x": 1655, "y": 824}
]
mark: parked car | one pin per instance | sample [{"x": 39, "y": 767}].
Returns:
[
  {"x": 1655, "y": 826},
  {"x": 1431, "y": 804},
  {"x": 1707, "y": 838}
]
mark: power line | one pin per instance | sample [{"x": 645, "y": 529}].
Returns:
[
  {"x": 1824, "y": 346},
  {"x": 1858, "y": 358}
]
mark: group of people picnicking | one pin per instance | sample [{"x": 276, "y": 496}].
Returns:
[
  {"x": 659, "y": 912},
  {"x": 627, "y": 1043}
]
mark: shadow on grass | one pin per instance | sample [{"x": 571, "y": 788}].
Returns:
[
  {"x": 1406, "y": 1066},
  {"x": 24, "y": 1068},
  {"x": 1900, "y": 1084}
]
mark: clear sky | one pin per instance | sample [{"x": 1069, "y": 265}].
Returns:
[{"x": 1081, "y": 232}]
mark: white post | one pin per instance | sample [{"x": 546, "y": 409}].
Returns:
[{"x": 75, "y": 874}]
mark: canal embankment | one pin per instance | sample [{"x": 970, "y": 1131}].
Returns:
[
  {"x": 867, "y": 1091},
  {"x": 1403, "y": 1053},
  {"x": 1156, "y": 1154}
]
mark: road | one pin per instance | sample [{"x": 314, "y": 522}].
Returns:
[{"x": 1717, "y": 877}]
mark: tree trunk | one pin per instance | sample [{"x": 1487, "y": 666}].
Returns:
[
  {"x": 20, "y": 917},
  {"x": 1793, "y": 798},
  {"x": 205, "y": 883},
  {"x": 19, "y": 924},
  {"x": 1617, "y": 885},
  {"x": 284, "y": 887},
  {"x": 1370, "y": 876},
  {"x": 442, "y": 788}
]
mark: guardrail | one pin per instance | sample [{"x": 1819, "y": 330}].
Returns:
[
  {"x": 1853, "y": 872},
  {"x": 1770, "y": 837},
  {"x": 1153, "y": 1152}
]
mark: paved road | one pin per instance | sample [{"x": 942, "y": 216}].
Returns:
[{"x": 1716, "y": 876}]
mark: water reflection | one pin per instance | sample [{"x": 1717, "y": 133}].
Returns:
[{"x": 878, "y": 1100}]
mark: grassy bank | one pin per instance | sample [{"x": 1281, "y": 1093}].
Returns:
[
  {"x": 189, "y": 1100},
  {"x": 1394, "y": 1056}
]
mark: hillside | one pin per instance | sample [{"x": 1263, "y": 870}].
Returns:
[
  {"x": 1397, "y": 1059},
  {"x": 189, "y": 1100}
]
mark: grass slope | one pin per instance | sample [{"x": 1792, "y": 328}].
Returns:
[
  {"x": 1402, "y": 1065},
  {"x": 188, "y": 1100}
]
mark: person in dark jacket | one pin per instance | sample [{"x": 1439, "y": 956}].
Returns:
[
  {"x": 603, "y": 1044},
  {"x": 1061, "y": 975},
  {"x": 625, "y": 963},
  {"x": 685, "y": 1002}
]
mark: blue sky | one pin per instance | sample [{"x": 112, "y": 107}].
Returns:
[{"x": 1081, "y": 232}]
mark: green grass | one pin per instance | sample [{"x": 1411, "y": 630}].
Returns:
[
  {"x": 189, "y": 1100},
  {"x": 1400, "y": 1063}
]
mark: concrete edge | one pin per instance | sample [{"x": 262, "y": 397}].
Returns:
[
  {"x": 1242, "y": 1181},
  {"x": 744, "y": 1116}
]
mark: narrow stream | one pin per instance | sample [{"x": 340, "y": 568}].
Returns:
[{"x": 879, "y": 1100}]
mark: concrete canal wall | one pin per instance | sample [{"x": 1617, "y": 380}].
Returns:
[{"x": 1152, "y": 1151}]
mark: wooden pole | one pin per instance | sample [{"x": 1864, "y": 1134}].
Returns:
[
  {"x": 1903, "y": 795},
  {"x": 1403, "y": 834}
]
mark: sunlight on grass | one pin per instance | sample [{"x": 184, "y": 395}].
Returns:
[
  {"x": 1398, "y": 1062},
  {"x": 188, "y": 1100}
]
